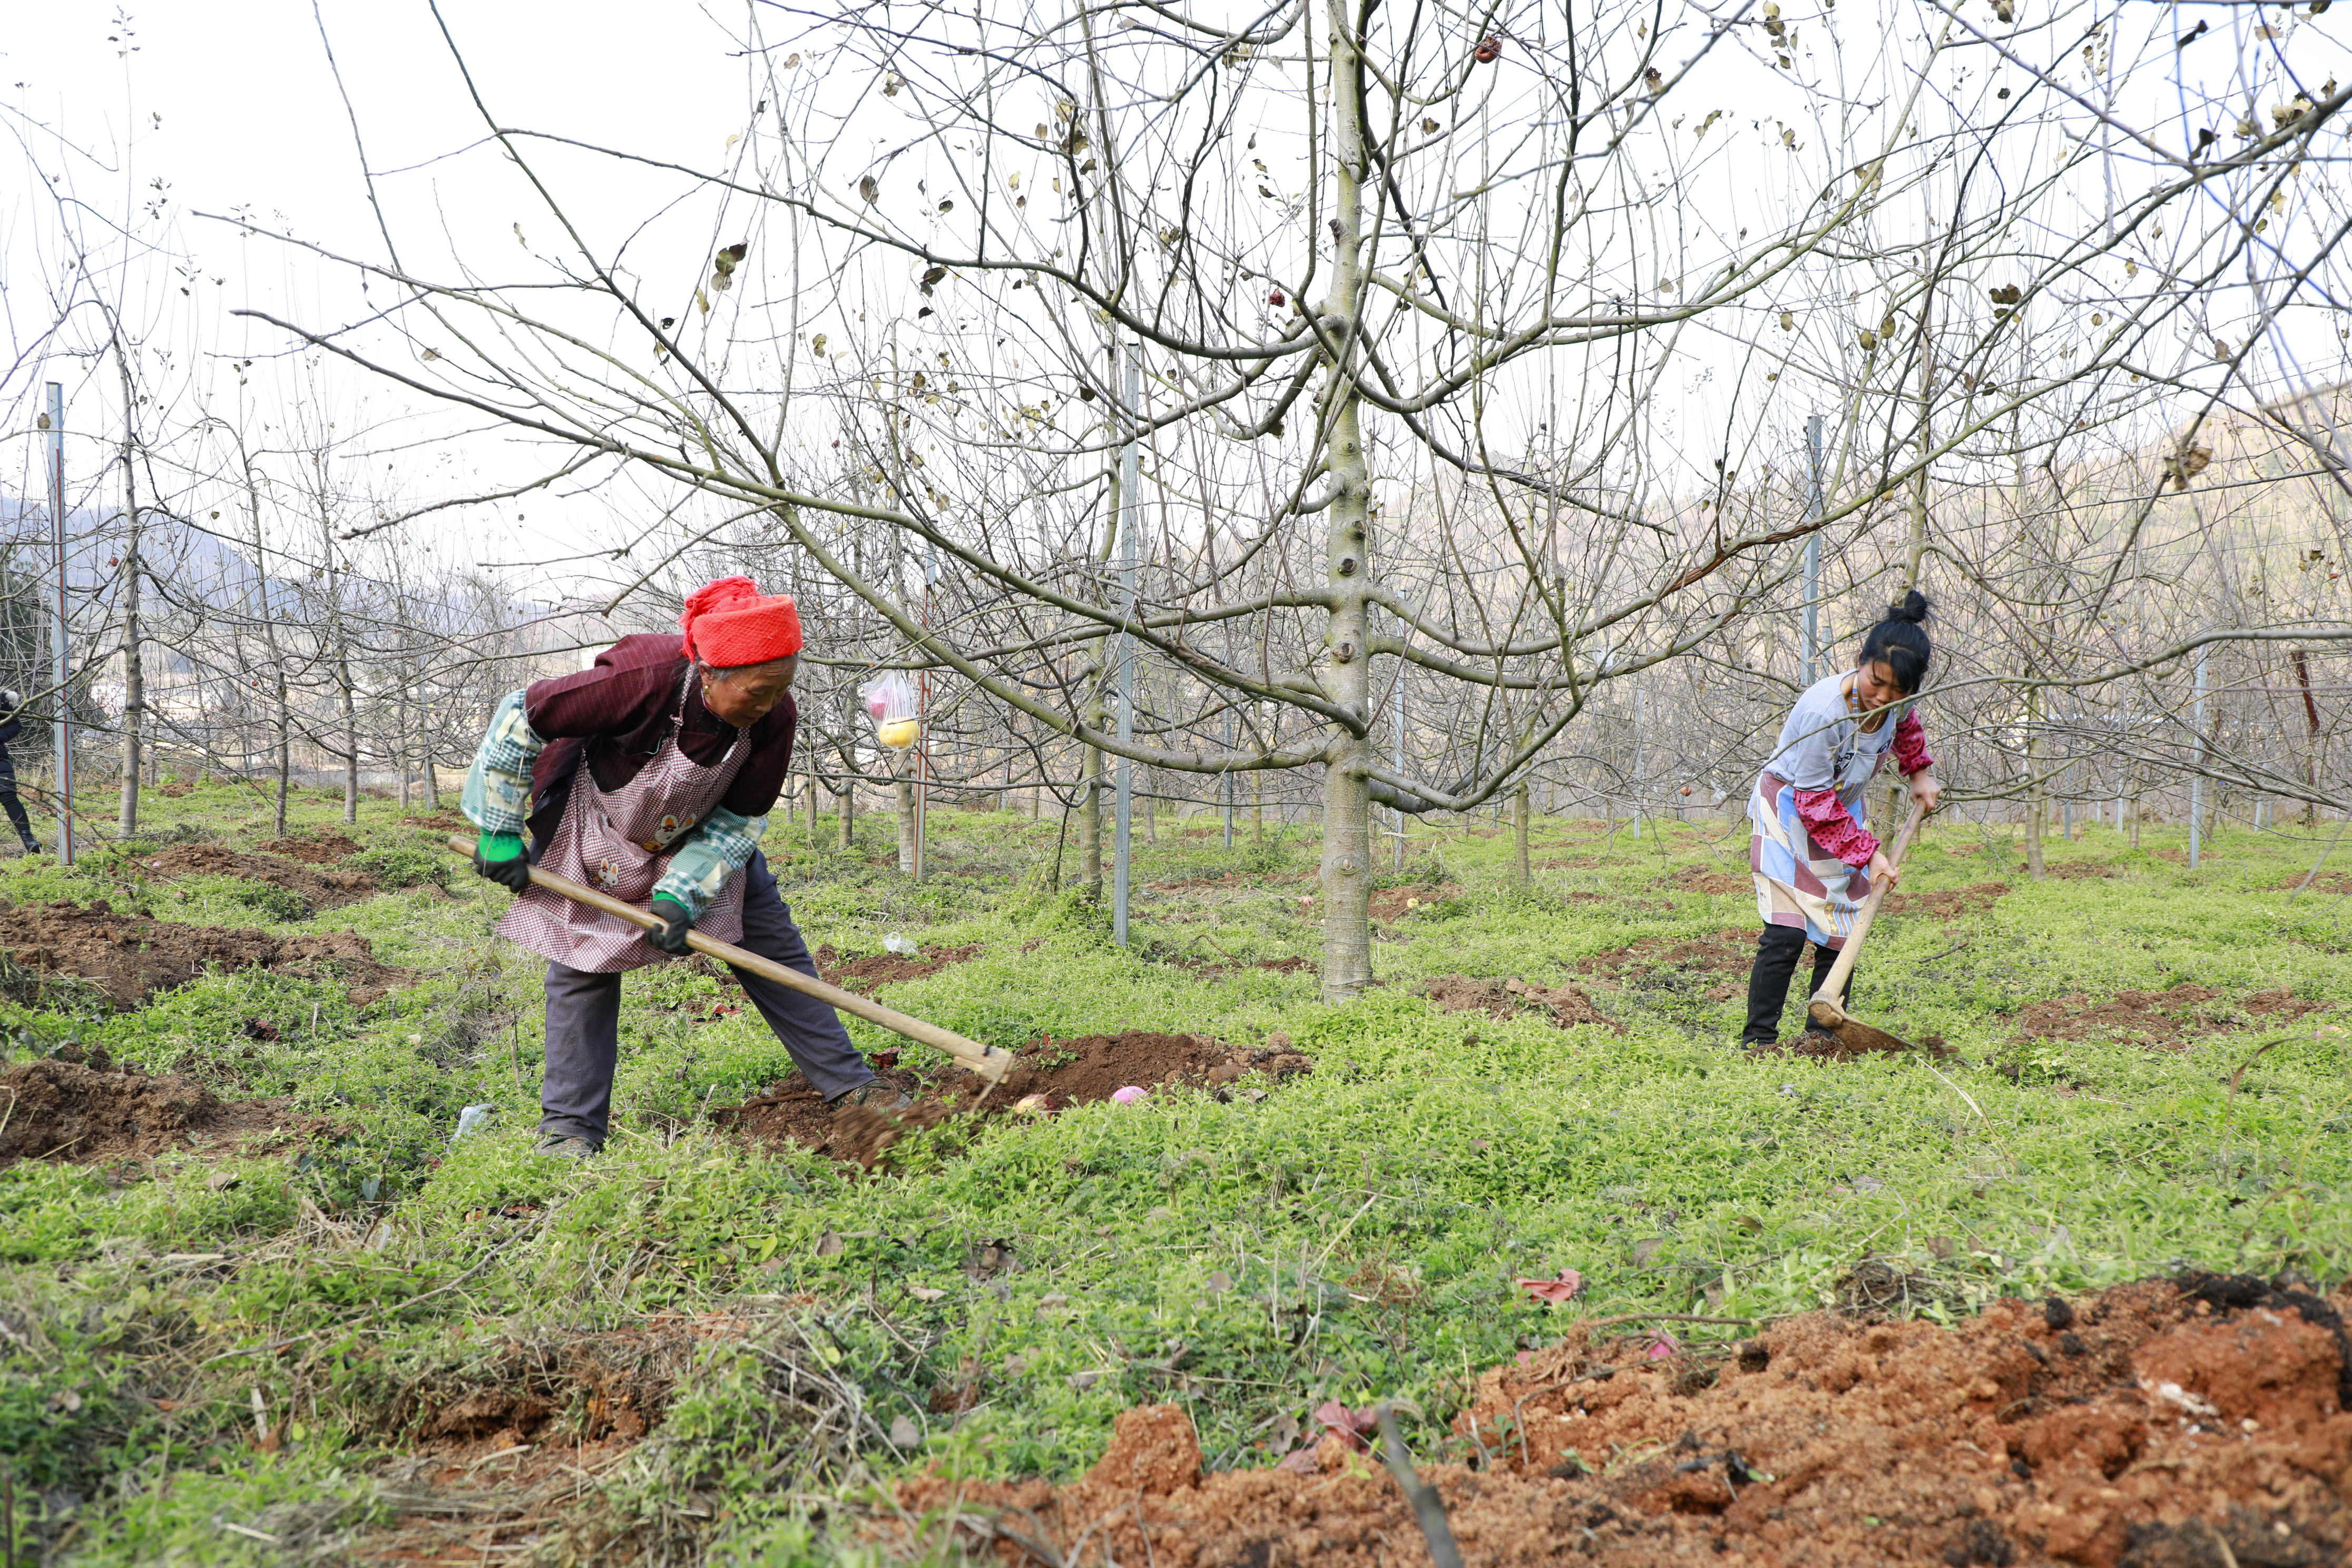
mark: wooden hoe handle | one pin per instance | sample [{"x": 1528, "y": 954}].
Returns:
[
  {"x": 988, "y": 1061},
  {"x": 1834, "y": 986}
]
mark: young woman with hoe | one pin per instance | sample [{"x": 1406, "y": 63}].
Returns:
[{"x": 1810, "y": 847}]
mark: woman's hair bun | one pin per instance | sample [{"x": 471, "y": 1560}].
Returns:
[{"x": 1912, "y": 606}]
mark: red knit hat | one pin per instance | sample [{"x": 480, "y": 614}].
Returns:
[{"x": 730, "y": 623}]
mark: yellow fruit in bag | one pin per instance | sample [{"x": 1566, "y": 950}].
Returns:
[{"x": 898, "y": 733}]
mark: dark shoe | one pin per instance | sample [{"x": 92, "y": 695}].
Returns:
[
  {"x": 872, "y": 1092},
  {"x": 566, "y": 1146}
]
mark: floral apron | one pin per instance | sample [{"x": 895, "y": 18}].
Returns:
[{"x": 619, "y": 842}]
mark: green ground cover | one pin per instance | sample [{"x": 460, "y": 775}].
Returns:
[{"x": 1354, "y": 1234}]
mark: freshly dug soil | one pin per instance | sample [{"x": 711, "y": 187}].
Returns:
[
  {"x": 1947, "y": 903},
  {"x": 322, "y": 887},
  {"x": 1817, "y": 1047},
  {"x": 87, "y": 1110},
  {"x": 312, "y": 849},
  {"x": 1659, "y": 960},
  {"x": 868, "y": 973},
  {"x": 1062, "y": 1073},
  {"x": 1700, "y": 879},
  {"x": 131, "y": 957},
  {"x": 2170, "y": 1018},
  {"x": 2325, "y": 882},
  {"x": 1396, "y": 903},
  {"x": 2161, "y": 1425},
  {"x": 1509, "y": 998},
  {"x": 589, "y": 1387}
]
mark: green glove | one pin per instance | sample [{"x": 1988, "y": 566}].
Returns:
[
  {"x": 499, "y": 857},
  {"x": 671, "y": 938}
]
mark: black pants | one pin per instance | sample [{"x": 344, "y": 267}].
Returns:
[
  {"x": 1777, "y": 952},
  {"x": 12, "y": 806}
]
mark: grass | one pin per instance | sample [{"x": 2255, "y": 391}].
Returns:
[{"x": 1356, "y": 1235}]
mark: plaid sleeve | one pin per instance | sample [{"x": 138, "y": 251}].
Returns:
[
  {"x": 719, "y": 845},
  {"x": 500, "y": 780}
]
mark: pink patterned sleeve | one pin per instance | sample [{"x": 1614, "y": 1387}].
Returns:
[
  {"x": 1911, "y": 745},
  {"x": 1834, "y": 827}
]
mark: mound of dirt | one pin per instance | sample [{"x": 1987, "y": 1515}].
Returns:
[
  {"x": 1050, "y": 1074},
  {"x": 2168, "y": 1018},
  {"x": 130, "y": 957},
  {"x": 1567, "y": 1005},
  {"x": 322, "y": 887},
  {"x": 1814, "y": 1046},
  {"x": 1668, "y": 960},
  {"x": 1947, "y": 903},
  {"x": 872, "y": 971},
  {"x": 1395, "y": 903},
  {"x": 2153, "y": 1426},
  {"x": 85, "y": 1108},
  {"x": 1701, "y": 879},
  {"x": 590, "y": 1386},
  {"x": 2326, "y": 882},
  {"x": 312, "y": 849}
]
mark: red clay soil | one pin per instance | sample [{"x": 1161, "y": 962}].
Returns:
[
  {"x": 1565, "y": 1005},
  {"x": 320, "y": 887},
  {"x": 504, "y": 1447},
  {"x": 2326, "y": 882},
  {"x": 1947, "y": 903},
  {"x": 1050, "y": 1074},
  {"x": 2168, "y": 1018},
  {"x": 1395, "y": 903},
  {"x": 1813, "y": 1045},
  {"x": 2160, "y": 1424},
  {"x": 130, "y": 957},
  {"x": 85, "y": 1108},
  {"x": 1700, "y": 879},
  {"x": 1656, "y": 959},
  {"x": 322, "y": 848},
  {"x": 874, "y": 970}
]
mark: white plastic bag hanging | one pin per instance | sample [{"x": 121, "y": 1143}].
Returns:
[{"x": 890, "y": 698}]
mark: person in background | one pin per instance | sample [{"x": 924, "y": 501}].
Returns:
[
  {"x": 12, "y": 724},
  {"x": 650, "y": 775},
  {"x": 1813, "y": 852}
]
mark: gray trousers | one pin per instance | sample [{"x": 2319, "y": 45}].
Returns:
[{"x": 583, "y": 1020}]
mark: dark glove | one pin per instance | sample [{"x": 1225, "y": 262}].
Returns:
[
  {"x": 499, "y": 857},
  {"x": 676, "y": 923}
]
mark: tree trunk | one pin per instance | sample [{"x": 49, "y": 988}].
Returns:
[
  {"x": 1347, "y": 640},
  {"x": 350, "y": 733},
  {"x": 848, "y": 816},
  {"x": 1090, "y": 814},
  {"x": 2037, "y": 806},
  {"x": 283, "y": 705},
  {"x": 134, "y": 674},
  {"x": 1519, "y": 832},
  {"x": 812, "y": 808}
]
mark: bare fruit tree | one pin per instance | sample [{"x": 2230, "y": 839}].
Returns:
[{"x": 1337, "y": 391}]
